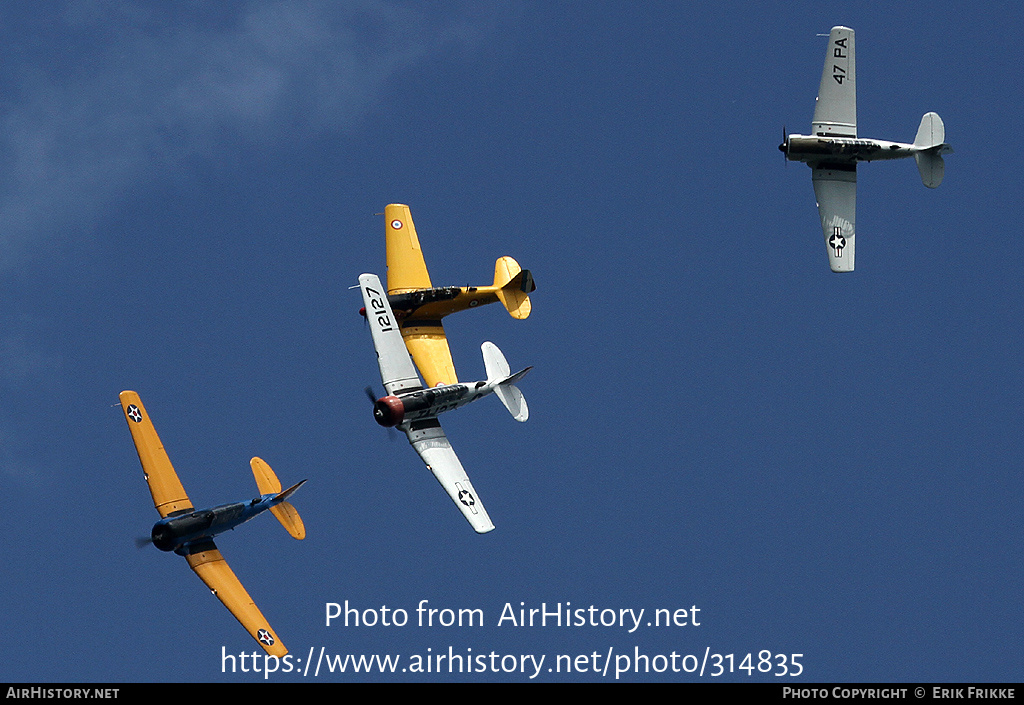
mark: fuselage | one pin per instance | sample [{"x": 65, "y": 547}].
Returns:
[
  {"x": 404, "y": 407},
  {"x": 843, "y": 150},
  {"x": 436, "y": 303},
  {"x": 174, "y": 532},
  {"x": 429, "y": 306}
]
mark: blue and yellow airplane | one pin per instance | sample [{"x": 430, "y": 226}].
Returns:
[
  {"x": 189, "y": 532},
  {"x": 419, "y": 306}
]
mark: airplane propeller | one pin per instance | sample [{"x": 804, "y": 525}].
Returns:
[
  {"x": 143, "y": 541},
  {"x": 784, "y": 147},
  {"x": 373, "y": 400}
]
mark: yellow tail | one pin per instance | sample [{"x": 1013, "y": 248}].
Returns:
[
  {"x": 514, "y": 285},
  {"x": 290, "y": 520},
  {"x": 266, "y": 480},
  {"x": 268, "y": 483}
]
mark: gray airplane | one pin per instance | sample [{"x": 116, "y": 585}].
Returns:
[{"x": 833, "y": 150}]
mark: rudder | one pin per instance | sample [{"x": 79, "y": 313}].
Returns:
[{"x": 513, "y": 284}]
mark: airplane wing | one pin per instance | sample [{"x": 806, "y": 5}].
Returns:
[
  {"x": 168, "y": 494},
  {"x": 406, "y": 268},
  {"x": 208, "y": 563},
  {"x": 428, "y": 345},
  {"x": 433, "y": 447},
  {"x": 407, "y": 271},
  {"x": 835, "y": 112},
  {"x": 426, "y": 437},
  {"x": 835, "y": 189},
  {"x": 396, "y": 368}
]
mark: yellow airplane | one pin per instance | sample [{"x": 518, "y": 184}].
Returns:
[
  {"x": 190, "y": 533},
  {"x": 419, "y": 306}
]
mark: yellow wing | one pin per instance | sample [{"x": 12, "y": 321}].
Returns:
[
  {"x": 168, "y": 494},
  {"x": 406, "y": 268},
  {"x": 211, "y": 567},
  {"x": 428, "y": 346},
  {"x": 407, "y": 271}
]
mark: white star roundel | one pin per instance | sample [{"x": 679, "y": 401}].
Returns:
[
  {"x": 837, "y": 242},
  {"x": 134, "y": 414},
  {"x": 396, "y": 224},
  {"x": 264, "y": 637}
]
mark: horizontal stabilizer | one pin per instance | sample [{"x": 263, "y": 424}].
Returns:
[
  {"x": 266, "y": 480},
  {"x": 498, "y": 372},
  {"x": 931, "y": 139},
  {"x": 932, "y": 168},
  {"x": 268, "y": 483},
  {"x": 514, "y": 285},
  {"x": 494, "y": 362},
  {"x": 290, "y": 518},
  {"x": 931, "y": 133},
  {"x": 513, "y": 399}
]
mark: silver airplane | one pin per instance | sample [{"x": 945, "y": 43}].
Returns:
[
  {"x": 414, "y": 410},
  {"x": 833, "y": 150}
]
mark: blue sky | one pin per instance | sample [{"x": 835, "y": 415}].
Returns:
[{"x": 823, "y": 464}]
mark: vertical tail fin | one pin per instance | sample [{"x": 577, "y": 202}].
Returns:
[
  {"x": 268, "y": 483},
  {"x": 498, "y": 374},
  {"x": 514, "y": 285}
]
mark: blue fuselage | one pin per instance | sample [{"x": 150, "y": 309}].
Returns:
[{"x": 174, "y": 533}]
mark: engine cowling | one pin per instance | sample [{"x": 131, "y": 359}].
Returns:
[
  {"x": 169, "y": 535},
  {"x": 164, "y": 537},
  {"x": 389, "y": 411}
]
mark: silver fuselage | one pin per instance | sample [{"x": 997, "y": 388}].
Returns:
[{"x": 841, "y": 150}]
